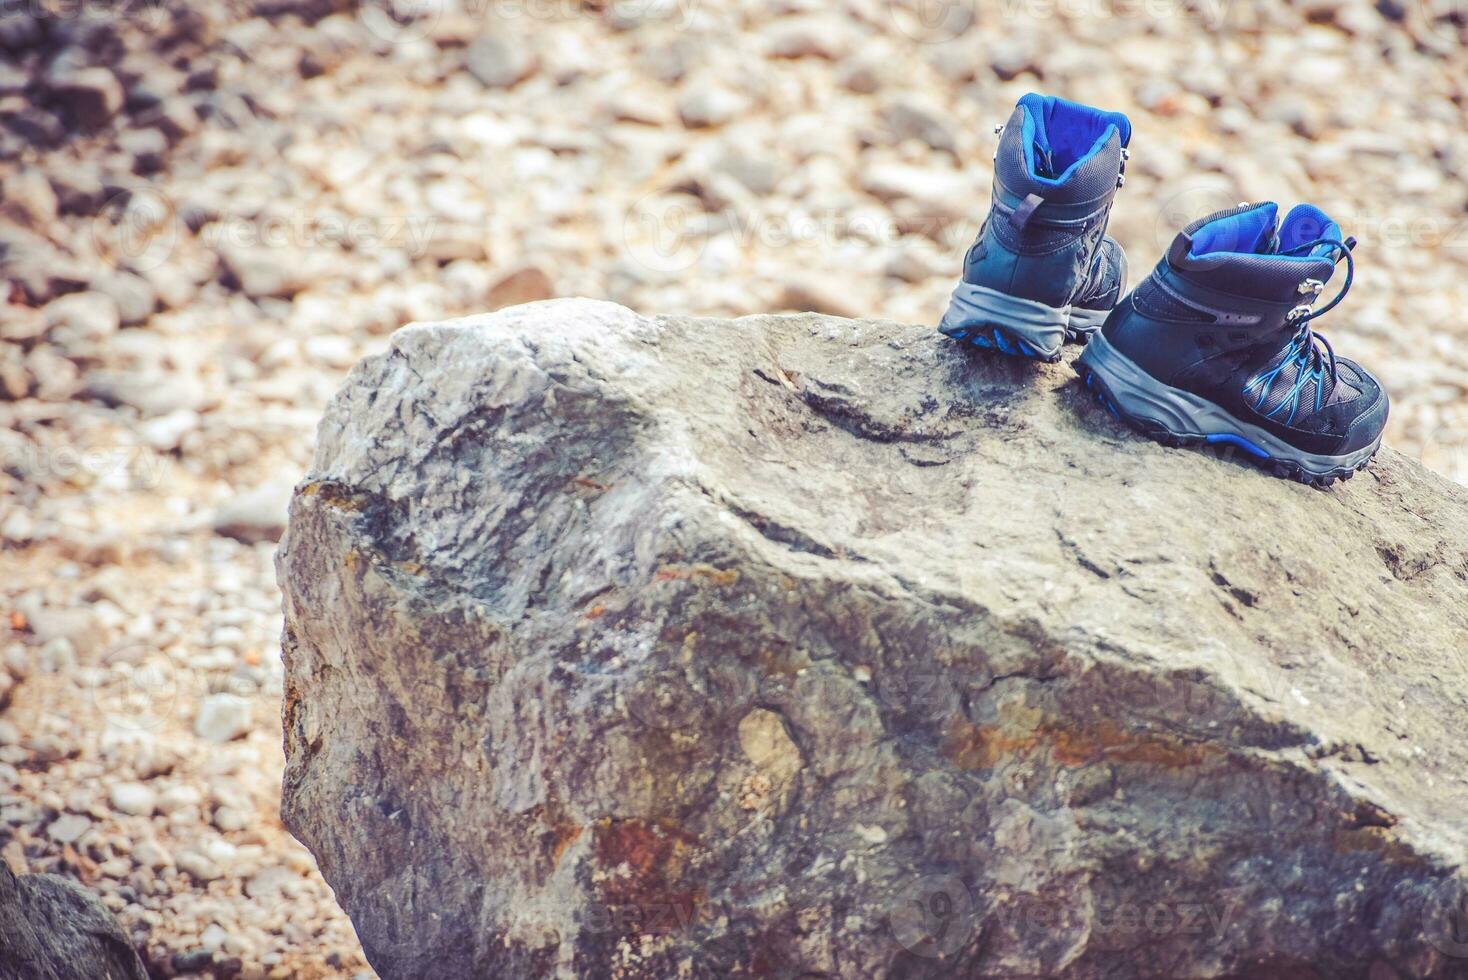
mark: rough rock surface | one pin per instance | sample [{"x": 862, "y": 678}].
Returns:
[
  {"x": 804, "y": 647},
  {"x": 53, "y": 929}
]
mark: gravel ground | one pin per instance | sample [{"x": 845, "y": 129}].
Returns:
[{"x": 210, "y": 212}]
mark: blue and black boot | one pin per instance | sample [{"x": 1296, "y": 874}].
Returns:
[
  {"x": 1215, "y": 346},
  {"x": 1042, "y": 270}
]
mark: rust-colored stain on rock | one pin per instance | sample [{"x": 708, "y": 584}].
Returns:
[
  {"x": 699, "y": 572},
  {"x": 334, "y": 494},
  {"x": 564, "y": 835},
  {"x": 971, "y": 746},
  {"x": 644, "y": 864}
]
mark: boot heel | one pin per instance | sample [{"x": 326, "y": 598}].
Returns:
[
  {"x": 991, "y": 319},
  {"x": 1084, "y": 323}
]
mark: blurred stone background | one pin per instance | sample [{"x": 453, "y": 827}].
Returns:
[{"x": 211, "y": 210}]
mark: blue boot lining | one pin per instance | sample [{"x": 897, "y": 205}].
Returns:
[
  {"x": 1066, "y": 134},
  {"x": 1252, "y": 232}
]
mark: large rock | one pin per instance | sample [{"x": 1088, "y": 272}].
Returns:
[
  {"x": 805, "y": 647},
  {"x": 51, "y": 928}
]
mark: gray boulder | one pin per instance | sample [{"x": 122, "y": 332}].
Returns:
[
  {"x": 646, "y": 647},
  {"x": 51, "y": 928}
]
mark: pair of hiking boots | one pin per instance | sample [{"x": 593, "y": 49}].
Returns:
[{"x": 1214, "y": 346}]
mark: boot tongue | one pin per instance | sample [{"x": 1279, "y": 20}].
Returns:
[
  {"x": 1257, "y": 230},
  {"x": 1306, "y": 223},
  {"x": 1037, "y": 143},
  {"x": 1044, "y": 164},
  {"x": 1249, "y": 231}
]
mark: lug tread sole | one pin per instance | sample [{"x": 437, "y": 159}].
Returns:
[
  {"x": 994, "y": 337},
  {"x": 1155, "y": 431}
]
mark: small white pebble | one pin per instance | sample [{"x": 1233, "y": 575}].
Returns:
[
  {"x": 223, "y": 717},
  {"x": 133, "y": 798},
  {"x": 229, "y": 820},
  {"x": 197, "y": 865}
]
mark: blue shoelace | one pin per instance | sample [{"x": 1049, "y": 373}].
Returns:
[
  {"x": 1309, "y": 360},
  {"x": 1304, "y": 340}
]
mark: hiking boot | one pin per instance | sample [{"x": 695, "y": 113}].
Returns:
[
  {"x": 1215, "y": 346},
  {"x": 1041, "y": 270}
]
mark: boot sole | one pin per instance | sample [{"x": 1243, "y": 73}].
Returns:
[
  {"x": 993, "y": 320},
  {"x": 1175, "y": 417}
]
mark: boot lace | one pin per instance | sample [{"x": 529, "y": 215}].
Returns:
[
  {"x": 1310, "y": 359},
  {"x": 1303, "y": 345}
]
